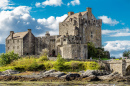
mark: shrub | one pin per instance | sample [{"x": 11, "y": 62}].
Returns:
[
  {"x": 44, "y": 52},
  {"x": 74, "y": 66},
  {"x": 59, "y": 64},
  {"x": 35, "y": 66},
  {"x": 91, "y": 65},
  {"x": 43, "y": 57},
  {"x": 7, "y": 58},
  {"x": 49, "y": 64}
]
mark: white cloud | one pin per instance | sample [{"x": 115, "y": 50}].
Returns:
[
  {"x": 117, "y": 47},
  {"x": 5, "y": 4},
  {"x": 117, "y": 33},
  {"x": 52, "y": 2},
  {"x": 74, "y": 2},
  {"x": 19, "y": 20},
  {"x": 38, "y": 4},
  {"x": 52, "y": 22},
  {"x": 108, "y": 20}
]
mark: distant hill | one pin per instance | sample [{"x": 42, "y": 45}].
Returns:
[{"x": 2, "y": 48}]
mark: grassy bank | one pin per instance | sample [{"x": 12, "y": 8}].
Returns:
[{"x": 37, "y": 64}]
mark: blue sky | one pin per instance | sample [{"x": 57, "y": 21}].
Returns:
[{"x": 45, "y": 15}]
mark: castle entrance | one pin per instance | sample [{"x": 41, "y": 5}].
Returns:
[{"x": 53, "y": 53}]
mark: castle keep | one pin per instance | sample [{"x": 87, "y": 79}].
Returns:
[{"x": 74, "y": 33}]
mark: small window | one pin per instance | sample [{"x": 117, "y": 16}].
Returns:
[
  {"x": 13, "y": 41},
  {"x": 64, "y": 39},
  {"x": 8, "y": 48},
  {"x": 17, "y": 47},
  {"x": 18, "y": 41},
  {"x": 91, "y": 34},
  {"x": 13, "y": 47}
]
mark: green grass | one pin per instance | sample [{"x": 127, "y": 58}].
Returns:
[{"x": 34, "y": 64}]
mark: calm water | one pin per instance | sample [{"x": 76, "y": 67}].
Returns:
[{"x": 61, "y": 84}]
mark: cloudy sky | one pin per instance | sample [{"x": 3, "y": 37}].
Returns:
[{"x": 45, "y": 15}]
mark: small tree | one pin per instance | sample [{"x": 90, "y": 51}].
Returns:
[
  {"x": 126, "y": 53},
  {"x": 91, "y": 50},
  {"x": 44, "y": 52},
  {"x": 7, "y": 58},
  {"x": 43, "y": 55},
  {"x": 59, "y": 65}
]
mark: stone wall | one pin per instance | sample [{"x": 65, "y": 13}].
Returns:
[
  {"x": 29, "y": 44},
  {"x": 15, "y": 45},
  {"x": 75, "y": 51}
]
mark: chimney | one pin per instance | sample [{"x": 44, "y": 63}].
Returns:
[
  {"x": 11, "y": 34},
  {"x": 89, "y": 13},
  {"x": 29, "y": 30},
  {"x": 89, "y": 9},
  {"x": 47, "y": 33},
  {"x": 70, "y": 13}
]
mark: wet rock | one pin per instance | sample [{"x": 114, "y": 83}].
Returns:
[
  {"x": 91, "y": 78},
  {"x": 110, "y": 77},
  {"x": 10, "y": 72},
  {"x": 72, "y": 76},
  {"x": 94, "y": 72}
]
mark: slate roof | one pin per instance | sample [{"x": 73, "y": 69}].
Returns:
[{"x": 18, "y": 35}]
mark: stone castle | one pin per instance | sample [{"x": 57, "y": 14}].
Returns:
[{"x": 74, "y": 33}]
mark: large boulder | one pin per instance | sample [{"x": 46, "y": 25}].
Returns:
[
  {"x": 72, "y": 76},
  {"x": 10, "y": 72},
  {"x": 47, "y": 73},
  {"x": 94, "y": 72},
  {"x": 110, "y": 77},
  {"x": 91, "y": 78},
  {"x": 57, "y": 74},
  {"x": 87, "y": 73}
]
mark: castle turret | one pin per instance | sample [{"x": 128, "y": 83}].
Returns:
[{"x": 11, "y": 34}]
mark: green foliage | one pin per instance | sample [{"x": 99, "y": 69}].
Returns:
[
  {"x": 59, "y": 64},
  {"x": 91, "y": 50},
  {"x": 35, "y": 66},
  {"x": 49, "y": 64},
  {"x": 43, "y": 57},
  {"x": 74, "y": 66},
  {"x": 91, "y": 66},
  {"x": 96, "y": 52},
  {"x": 7, "y": 58},
  {"x": 126, "y": 53}
]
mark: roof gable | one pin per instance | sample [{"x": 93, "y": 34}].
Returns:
[
  {"x": 75, "y": 15},
  {"x": 18, "y": 35}
]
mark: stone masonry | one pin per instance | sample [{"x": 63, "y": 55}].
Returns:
[{"x": 74, "y": 33}]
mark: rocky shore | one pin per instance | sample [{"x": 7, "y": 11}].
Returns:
[{"x": 53, "y": 75}]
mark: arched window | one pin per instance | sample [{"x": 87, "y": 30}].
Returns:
[{"x": 91, "y": 34}]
